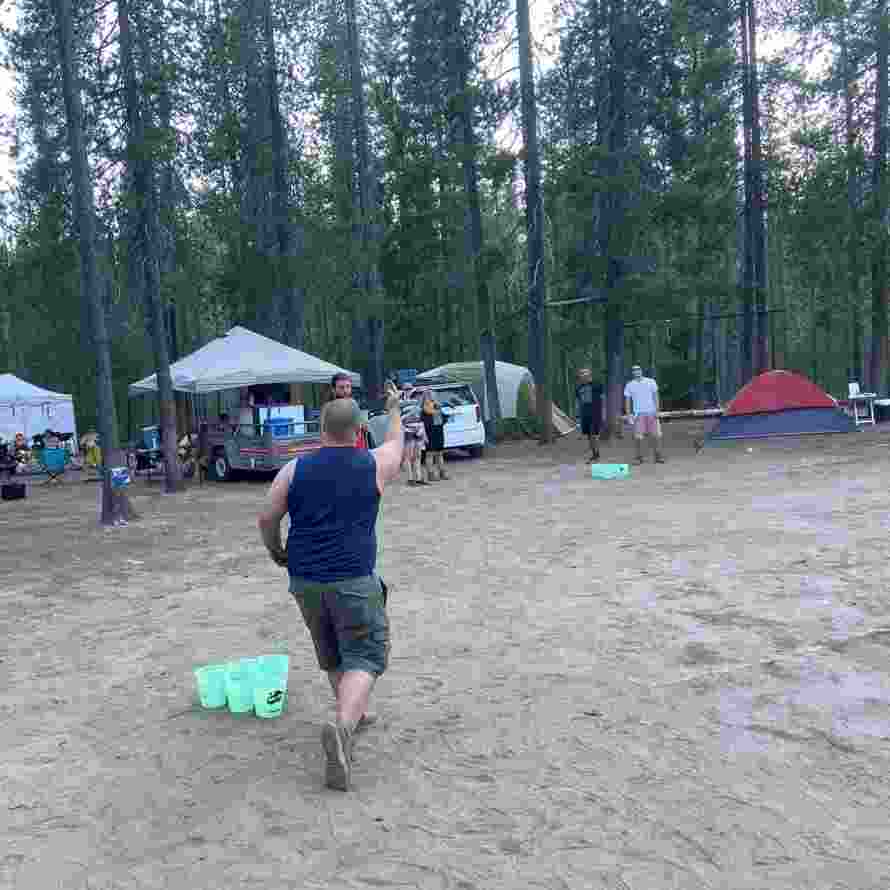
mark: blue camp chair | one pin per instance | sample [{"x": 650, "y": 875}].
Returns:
[{"x": 54, "y": 461}]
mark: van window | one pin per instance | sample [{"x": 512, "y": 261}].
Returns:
[{"x": 454, "y": 396}]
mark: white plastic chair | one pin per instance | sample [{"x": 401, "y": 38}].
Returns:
[{"x": 866, "y": 399}]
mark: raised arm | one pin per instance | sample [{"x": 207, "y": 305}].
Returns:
[{"x": 389, "y": 455}]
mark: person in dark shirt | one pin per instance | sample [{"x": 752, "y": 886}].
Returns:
[
  {"x": 333, "y": 497},
  {"x": 589, "y": 410},
  {"x": 434, "y": 421}
]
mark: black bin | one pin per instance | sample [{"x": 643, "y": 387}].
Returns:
[{"x": 12, "y": 491}]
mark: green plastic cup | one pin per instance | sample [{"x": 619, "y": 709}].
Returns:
[
  {"x": 239, "y": 692},
  {"x": 211, "y": 681},
  {"x": 269, "y": 697},
  {"x": 273, "y": 665},
  {"x": 609, "y": 471},
  {"x": 249, "y": 669},
  {"x": 248, "y": 666}
]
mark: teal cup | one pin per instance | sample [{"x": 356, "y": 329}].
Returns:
[
  {"x": 273, "y": 665},
  {"x": 609, "y": 471},
  {"x": 249, "y": 669},
  {"x": 211, "y": 681},
  {"x": 239, "y": 692},
  {"x": 269, "y": 696},
  {"x": 248, "y": 666}
]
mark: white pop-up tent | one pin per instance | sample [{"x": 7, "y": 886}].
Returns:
[
  {"x": 509, "y": 378},
  {"x": 243, "y": 358},
  {"x": 28, "y": 409}
]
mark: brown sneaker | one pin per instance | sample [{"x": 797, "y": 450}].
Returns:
[{"x": 338, "y": 760}]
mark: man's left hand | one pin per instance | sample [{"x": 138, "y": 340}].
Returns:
[{"x": 279, "y": 557}]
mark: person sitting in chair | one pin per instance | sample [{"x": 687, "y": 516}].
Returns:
[{"x": 20, "y": 449}]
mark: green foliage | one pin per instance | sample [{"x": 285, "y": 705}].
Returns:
[{"x": 678, "y": 182}]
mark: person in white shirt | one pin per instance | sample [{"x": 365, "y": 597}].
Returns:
[
  {"x": 641, "y": 404},
  {"x": 245, "y": 414}
]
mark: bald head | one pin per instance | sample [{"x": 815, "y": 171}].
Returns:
[{"x": 341, "y": 421}]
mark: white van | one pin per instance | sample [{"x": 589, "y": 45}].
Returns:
[{"x": 464, "y": 428}]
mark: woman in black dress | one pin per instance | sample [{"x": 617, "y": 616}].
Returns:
[{"x": 434, "y": 424}]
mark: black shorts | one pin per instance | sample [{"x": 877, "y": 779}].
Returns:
[{"x": 591, "y": 420}]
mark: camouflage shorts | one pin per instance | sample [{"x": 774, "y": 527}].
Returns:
[{"x": 348, "y": 622}]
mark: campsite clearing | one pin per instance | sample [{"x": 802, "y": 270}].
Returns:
[{"x": 679, "y": 680}]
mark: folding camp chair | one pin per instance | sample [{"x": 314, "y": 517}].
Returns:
[
  {"x": 866, "y": 400},
  {"x": 7, "y": 460},
  {"x": 54, "y": 461}
]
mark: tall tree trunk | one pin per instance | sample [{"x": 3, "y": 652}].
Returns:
[
  {"x": 343, "y": 173},
  {"x": 143, "y": 195},
  {"x": 614, "y": 349},
  {"x": 879, "y": 289},
  {"x": 260, "y": 239},
  {"x": 613, "y": 134},
  {"x": 115, "y": 506},
  {"x": 701, "y": 305},
  {"x": 291, "y": 296},
  {"x": 853, "y": 232},
  {"x": 463, "y": 125},
  {"x": 760, "y": 351},
  {"x": 534, "y": 214},
  {"x": 167, "y": 182},
  {"x": 370, "y": 313},
  {"x": 224, "y": 97},
  {"x": 748, "y": 272}
]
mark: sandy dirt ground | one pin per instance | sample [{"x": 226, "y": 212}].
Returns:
[{"x": 679, "y": 680}]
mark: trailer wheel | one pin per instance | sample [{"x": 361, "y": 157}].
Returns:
[{"x": 220, "y": 470}]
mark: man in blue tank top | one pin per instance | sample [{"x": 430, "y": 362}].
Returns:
[{"x": 333, "y": 497}]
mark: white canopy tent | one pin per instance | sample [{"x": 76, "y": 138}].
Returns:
[
  {"x": 243, "y": 358},
  {"x": 509, "y": 378},
  {"x": 28, "y": 409}
]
